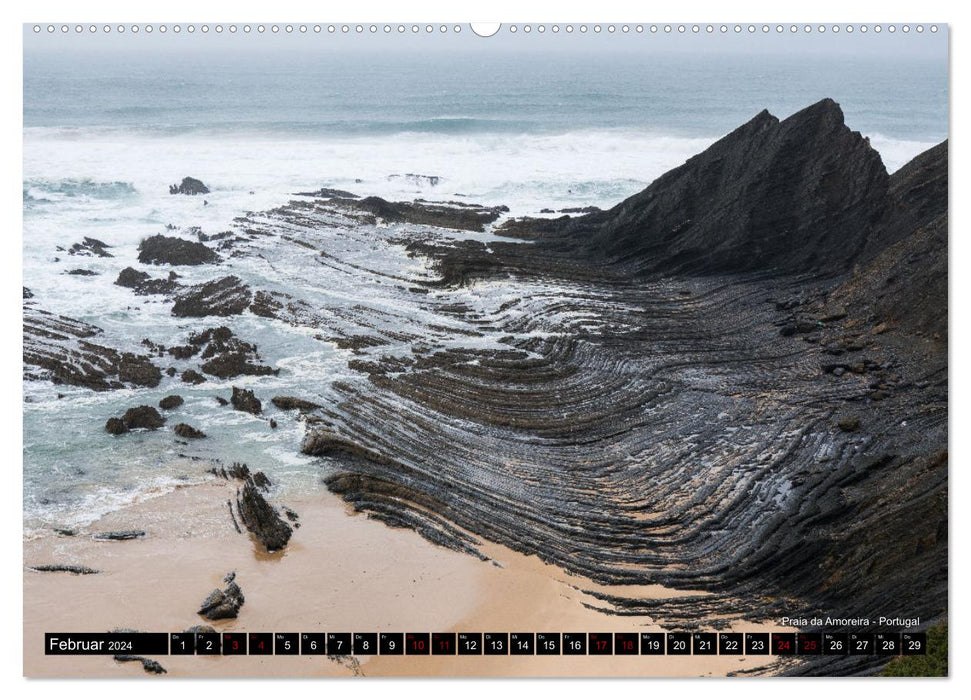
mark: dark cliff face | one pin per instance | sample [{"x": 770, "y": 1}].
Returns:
[
  {"x": 906, "y": 282},
  {"x": 918, "y": 193},
  {"x": 803, "y": 194}
]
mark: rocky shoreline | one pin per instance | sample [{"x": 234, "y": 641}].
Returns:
[
  {"x": 734, "y": 381},
  {"x": 141, "y": 586}
]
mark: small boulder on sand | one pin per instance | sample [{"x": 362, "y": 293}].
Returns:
[{"x": 223, "y": 604}]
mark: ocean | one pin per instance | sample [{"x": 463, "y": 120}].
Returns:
[{"x": 106, "y": 133}]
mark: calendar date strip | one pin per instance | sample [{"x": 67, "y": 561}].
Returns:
[{"x": 488, "y": 643}]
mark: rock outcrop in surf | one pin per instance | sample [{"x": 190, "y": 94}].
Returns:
[
  {"x": 190, "y": 186},
  {"x": 61, "y": 349},
  {"x": 169, "y": 250}
]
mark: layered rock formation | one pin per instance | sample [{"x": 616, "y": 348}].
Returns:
[
  {"x": 457, "y": 215},
  {"x": 59, "y": 349},
  {"x": 261, "y": 518},
  {"x": 90, "y": 247},
  {"x": 226, "y": 296},
  {"x": 733, "y": 388}
]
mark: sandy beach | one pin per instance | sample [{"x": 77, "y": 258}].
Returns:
[{"x": 341, "y": 572}]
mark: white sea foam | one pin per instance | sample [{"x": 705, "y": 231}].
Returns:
[{"x": 898, "y": 152}]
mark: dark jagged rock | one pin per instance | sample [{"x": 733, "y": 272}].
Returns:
[
  {"x": 168, "y": 250},
  {"x": 329, "y": 193},
  {"x": 120, "y": 535},
  {"x": 907, "y": 281},
  {"x": 803, "y": 193},
  {"x": 260, "y": 518},
  {"x": 211, "y": 336},
  {"x": 358, "y": 342},
  {"x": 223, "y": 604},
  {"x": 167, "y": 287},
  {"x": 226, "y": 296},
  {"x": 183, "y": 352},
  {"x": 245, "y": 400},
  {"x": 66, "y": 568},
  {"x": 116, "y": 426},
  {"x": 90, "y": 247},
  {"x": 131, "y": 278},
  {"x": 190, "y": 376},
  {"x": 238, "y": 471},
  {"x": 146, "y": 417},
  {"x": 150, "y": 665},
  {"x": 170, "y": 402},
  {"x": 190, "y": 186},
  {"x": 234, "y": 358},
  {"x": 138, "y": 370},
  {"x": 264, "y": 304},
  {"x": 28, "y": 294},
  {"x": 325, "y": 442},
  {"x": 57, "y": 348},
  {"x": 232, "y": 515},
  {"x": 443, "y": 215},
  {"x": 221, "y": 401},
  {"x": 288, "y": 403},
  {"x": 580, "y": 210},
  {"x": 226, "y": 355},
  {"x": 156, "y": 348},
  {"x": 185, "y": 430},
  {"x": 143, "y": 284},
  {"x": 81, "y": 272}
]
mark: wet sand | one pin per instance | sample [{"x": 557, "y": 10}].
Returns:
[{"x": 340, "y": 573}]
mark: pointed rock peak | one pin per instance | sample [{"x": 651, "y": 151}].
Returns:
[
  {"x": 825, "y": 111},
  {"x": 751, "y": 132},
  {"x": 756, "y": 124},
  {"x": 762, "y": 116},
  {"x": 795, "y": 196}
]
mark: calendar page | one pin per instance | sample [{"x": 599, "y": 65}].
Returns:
[{"x": 451, "y": 350}]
